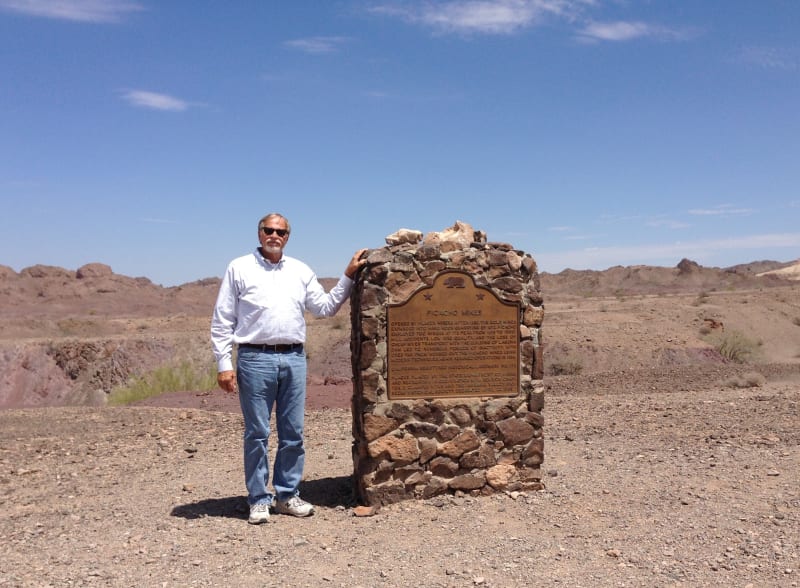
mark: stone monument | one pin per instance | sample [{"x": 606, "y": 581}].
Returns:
[{"x": 447, "y": 368}]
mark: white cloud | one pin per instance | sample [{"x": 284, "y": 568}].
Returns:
[
  {"x": 95, "y": 11},
  {"x": 774, "y": 58},
  {"x": 503, "y": 17},
  {"x": 666, "y": 254},
  {"x": 721, "y": 210},
  {"x": 317, "y": 45},
  {"x": 482, "y": 16},
  {"x": 667, "y": 223},
  {"x": 154, "y": 101},
  {"x": 628, "y": 31}
]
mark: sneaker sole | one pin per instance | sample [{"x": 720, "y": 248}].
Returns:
[{"x": 294, "y": 514}]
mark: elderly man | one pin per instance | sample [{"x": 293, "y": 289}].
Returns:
[{"x": 260, "y": 308}]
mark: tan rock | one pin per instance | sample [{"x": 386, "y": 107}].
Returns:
[
  {"x": 403, "y": 236},
  {"x": 460, "y": 236},
  {"x": 443, "y": 467},
  {"x": 435, "y": 486},
  {"x": 461, "y": 415},
  {"x": 533, "y": 454},
  {"x": 427, "y": 449},
  {"x": 471, "y": 481},
  {"x": 93, "y": 270},
  {"x": 400, "y": 450},
  {"x": 376, "y": 426},
  {"x": 466, "y": 441},
  {"x": 365, "y": 511},
  {"x": 533, "y": 316},
  {"x": 514, "y": 261},
  {"x": 483, "y": 457},
  {"x": 515, "y": 431},
  {"x": 500, "y": 476}
]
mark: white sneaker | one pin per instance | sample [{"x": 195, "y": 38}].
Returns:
[
  {"x": 259, "y": 513},
  {"x": 295, "y": 506}
]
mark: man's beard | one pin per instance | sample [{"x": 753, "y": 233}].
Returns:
[{"x": 271, "y": 248}]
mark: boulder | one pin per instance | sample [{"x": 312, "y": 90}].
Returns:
[
  {"x": 403, "y": 236},
  {"x": 460, "y": 236},
  {"x": 94, "y": 270}
]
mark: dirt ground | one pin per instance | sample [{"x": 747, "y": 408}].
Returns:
[
  {"x": 665, "y": 465},
  {"x": 685, "y": 488}
]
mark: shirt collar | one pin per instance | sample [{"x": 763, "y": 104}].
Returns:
[{"x": 267, "y": 262}]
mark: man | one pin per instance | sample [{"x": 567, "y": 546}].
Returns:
[{"x": 260, "y": 307}]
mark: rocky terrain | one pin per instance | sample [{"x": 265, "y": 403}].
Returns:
[{"x": 666, "y": 463}]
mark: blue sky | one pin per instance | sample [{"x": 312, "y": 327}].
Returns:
[{"x": 151, "y": 136}]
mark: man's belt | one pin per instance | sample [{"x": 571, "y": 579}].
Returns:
[{"x": 279, "y": 348}]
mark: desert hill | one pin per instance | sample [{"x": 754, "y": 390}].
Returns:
[
  {"x": 687, "y": 276},
  {"x": 69, "y": 337},
  {"x": 50, "y": 292}
]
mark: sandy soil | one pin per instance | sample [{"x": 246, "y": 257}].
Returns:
[{"x": 686, "y": 488}]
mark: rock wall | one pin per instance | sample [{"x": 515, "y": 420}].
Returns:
[{"x": 422, "y": 447}]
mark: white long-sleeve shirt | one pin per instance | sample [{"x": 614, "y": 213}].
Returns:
[{"x": 264, "y": 302}]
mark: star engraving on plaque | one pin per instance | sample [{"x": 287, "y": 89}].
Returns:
[
  {"x": 428, "y": 296},
  {"x": 480, "y": 295}
]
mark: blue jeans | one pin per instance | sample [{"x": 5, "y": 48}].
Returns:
[{"x": 268, "y": 379}]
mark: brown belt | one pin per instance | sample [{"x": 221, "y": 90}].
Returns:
[{"x": 279, "y": 348}]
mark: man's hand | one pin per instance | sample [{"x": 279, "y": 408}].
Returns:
[
  {"x": 355, "y": 264},
  {"x": 227, "y": 381}
]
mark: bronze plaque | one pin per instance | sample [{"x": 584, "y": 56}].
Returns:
[{"x": 453, "y": 339}]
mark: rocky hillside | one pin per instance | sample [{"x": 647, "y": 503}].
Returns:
[
  {"x": 687, "y": 276},
  {"x": 70, "y": 337}
]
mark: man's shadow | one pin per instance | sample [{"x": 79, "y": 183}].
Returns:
[{"x": 327, "y": 492}]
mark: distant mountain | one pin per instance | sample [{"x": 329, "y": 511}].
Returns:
[
  {"x": 43, "y": 291},
  {"x": 789, "y": 271},
  {"x": 687, "y": 276},
  {"x": 761, "y": 267}
]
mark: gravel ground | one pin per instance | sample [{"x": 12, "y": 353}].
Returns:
[{"x": 645, "y": 487}]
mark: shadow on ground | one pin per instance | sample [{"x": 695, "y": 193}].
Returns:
[
  {"x": 327, "y": 492},
  {"x": 234, "y": 507}
]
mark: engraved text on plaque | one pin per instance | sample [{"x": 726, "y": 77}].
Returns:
[{"x": 453, "y": 339}]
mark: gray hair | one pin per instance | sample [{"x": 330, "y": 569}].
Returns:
[{"x": 272, "y": 215}]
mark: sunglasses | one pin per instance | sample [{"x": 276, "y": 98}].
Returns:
[{"x": 270, "y": 230}]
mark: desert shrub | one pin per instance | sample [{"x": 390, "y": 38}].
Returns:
[
  {"x": 748, "y": 380},
  {"x": 754, "y": 379},
  {"x": 567, "y": 366},
  {"x": 170, "y": 378},
  {"x": 564, "y": 364},
  {"x": 796, "y": 321},
  {"x": 736, "y": 346},
  {"x": 561, "y": 360},
  {"x": 702, "y": 298}
]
